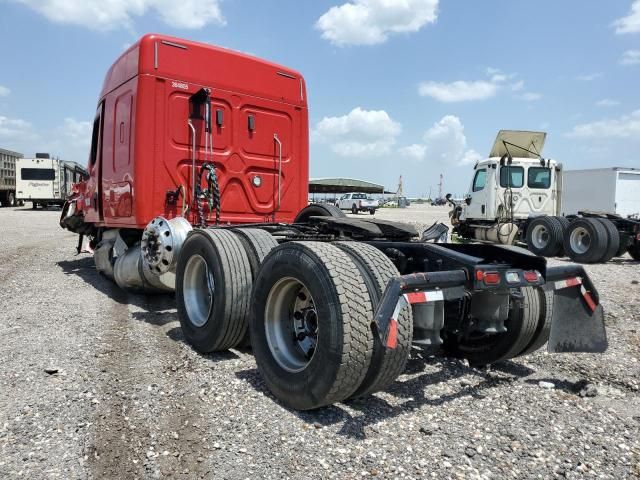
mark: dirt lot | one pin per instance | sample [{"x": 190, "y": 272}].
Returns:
[{"x": 95, "y": 382}]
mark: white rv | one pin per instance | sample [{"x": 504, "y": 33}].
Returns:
[{"x": 46, "y": 181}]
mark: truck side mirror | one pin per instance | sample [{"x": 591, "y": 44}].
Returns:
[{"x": 467, "y": 200}]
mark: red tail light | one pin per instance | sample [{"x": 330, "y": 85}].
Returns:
[
  {"x": 489, "y": 278},
  {"x": 531, "y": 276}
]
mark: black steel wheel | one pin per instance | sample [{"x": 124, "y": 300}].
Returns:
[
  {"x": 544, "y": 236},
  {"x": 310, "y": 328},
  {"x": 318, "y": 210},
  {"x": 213, "y": 289},
  {"x": 613, "y": 239},
  {"x": 585, "y": 241},
  {"x": 483, "y": 349},
  {"x": 386, "y": 364}
]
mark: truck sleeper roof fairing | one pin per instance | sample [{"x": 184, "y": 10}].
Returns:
[
  {"x": 518, "y": 143},
  {"x": 163, "y": 56}
]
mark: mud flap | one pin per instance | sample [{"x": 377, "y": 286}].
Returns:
[{"x": 578, "y": 323}]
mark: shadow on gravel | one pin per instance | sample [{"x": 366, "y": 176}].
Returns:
[
  {"x": 415, "y": 391},
  {"x": 154, "y": 305},
  {"x": 157, "y": 310}
]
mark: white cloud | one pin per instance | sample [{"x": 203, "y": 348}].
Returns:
[
  {"x": 630, "y": 23},
  {"x": 517, "y": 86},
  {"x": 4, "y": 91},
  {"x": 463, "y": 90},
  {"x": 531, "y": 96},
  {"x": 470, "y": 158},
  {"x": 446, "y": 143},
  {"x": 113, "y": 14},
  {"x": 630, "y": 57},
  {"x": 626, "y": 126},
  {"x": 589, "y": 77},
  {"x": 414, "y": 151},
  {"x": 607, "y": 102},
  {"x": 359, "y": 133},
  {"x": 15, "y": 128},
  {"x": 370, "y": 22},
  {"x": 77, "y": 130},
  {"x": 458, "y": 91}
]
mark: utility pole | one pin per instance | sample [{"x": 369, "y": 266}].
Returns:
[{"x": 440, "y": 185}]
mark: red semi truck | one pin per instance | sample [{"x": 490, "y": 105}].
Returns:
[{"x": 198, "y": 184}]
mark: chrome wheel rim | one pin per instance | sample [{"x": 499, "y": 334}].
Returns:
[
  {"x": 580, "y": 240},
  {"x": 198, "y": 290},
  {"x": 540, "y": 236},
  {"x": 291, "y": 324}
]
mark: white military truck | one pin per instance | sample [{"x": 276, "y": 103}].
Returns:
[
  {"x": 357, "y": 202},
  {"x": 516, "y": 198},
  {"x": 46, "y": 181}
]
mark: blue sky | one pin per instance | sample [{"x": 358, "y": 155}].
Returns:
[{"x": 407, "y": 87}]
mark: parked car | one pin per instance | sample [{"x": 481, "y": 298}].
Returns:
[{"x": 357, "y": 202}]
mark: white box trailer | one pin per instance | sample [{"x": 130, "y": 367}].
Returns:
[
  {"x": 46, "y": 181},
  {"x": 614, "y": 190}
]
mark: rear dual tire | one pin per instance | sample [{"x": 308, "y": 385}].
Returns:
[
  {"x": 213, "y": 290},
  {"x": 591, "y": 240},
  {"x": 386, "y": 364},
  {"x": 523, "y": 333},
  {"x": 311, "y": 324}
]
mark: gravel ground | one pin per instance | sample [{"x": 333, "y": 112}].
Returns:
[{"x": 98, "y": 383}]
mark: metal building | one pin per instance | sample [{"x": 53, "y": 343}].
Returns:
[{"x": 8, "y": 177}]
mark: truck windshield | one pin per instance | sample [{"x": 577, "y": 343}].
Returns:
[
  {"x": 539, "y": 177},
  {"x": 37, "y": 174},
  {"x": 359, "y": 196},
  {"x": 511, "y": 176}
]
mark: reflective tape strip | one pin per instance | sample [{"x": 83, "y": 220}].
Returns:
[
  {"x": 569, "y": 282},
  {"x": 392, "y": 335},
  {"x": 587, "y": 298},
  {"x": 392, "y": 329},
  {"x": 424, "y": 297}
]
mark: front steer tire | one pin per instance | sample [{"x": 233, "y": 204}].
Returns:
[
  {"x": 343, "y": 342},
  {"x": 386, "y": 363},
  {"x": 213, "y": 290}
]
